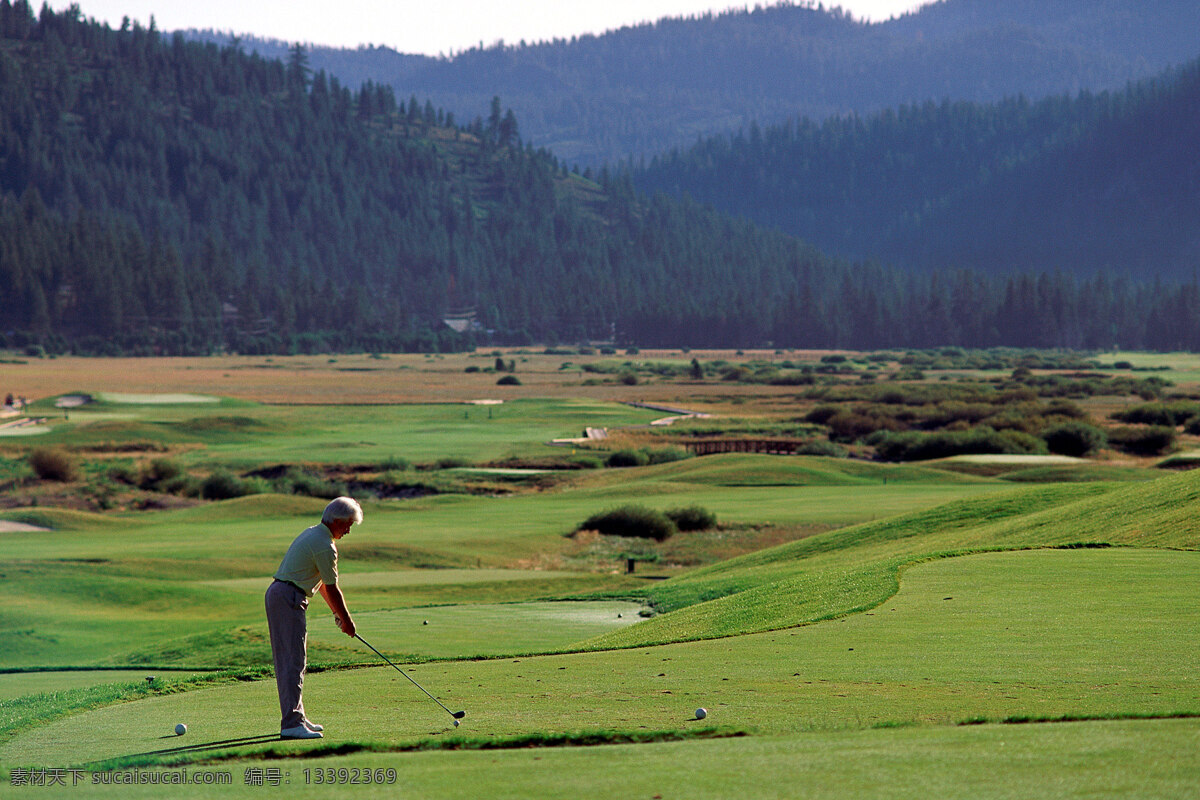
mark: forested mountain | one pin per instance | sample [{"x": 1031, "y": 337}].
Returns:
[
  {"x": 642, "y": 89},
  {"x": 158, "y": 195},
  {"x": 1106, "y": 181}
]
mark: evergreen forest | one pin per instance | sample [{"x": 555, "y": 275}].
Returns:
[
  {"x": 1103, "y": 181},
  {"x": 159, "y": 195}
]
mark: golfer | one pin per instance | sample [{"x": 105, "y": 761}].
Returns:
[{"x": 309, "y": 566}]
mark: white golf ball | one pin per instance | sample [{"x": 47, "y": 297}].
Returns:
[
  {"x": 180, "y": 729},
  {"x": 456, "y": 723},
  {"x": 701, "y": 713}
]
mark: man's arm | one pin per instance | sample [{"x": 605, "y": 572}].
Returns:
[{"x": 337, "y": 604}]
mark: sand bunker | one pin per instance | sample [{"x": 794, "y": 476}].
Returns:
[
  {"x": 156, "y": 399},
  {"x": 1017, "y": 459},
  {"x": 72, "y": 401},
  {"x": 8, "y": 526}
]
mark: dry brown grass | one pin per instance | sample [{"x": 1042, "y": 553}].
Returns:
[{"x": 355, "y": 379}]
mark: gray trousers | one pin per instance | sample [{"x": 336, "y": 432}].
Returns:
[{"x": 286, "y": 606}]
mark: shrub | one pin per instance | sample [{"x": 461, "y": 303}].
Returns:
[
  {"x": 224, "y": 485},
  {"x": 1152, "y": 441},
  {"x": 451, "y": 462},
  {"x": 298, "y": 481},
  {"x": 629, "y": 379},
  {"x": 1169, "y": 414},
  {"x": 394, "y": 463},
  {"x": 509, "y": 380},
  {"x": 821, "y": 414},
  {"x": 665, "y": 455},
  {"x": 1074, "y": 438},
  {"x": 821, "y": 447},
  {"x": 471, "y": 368},
  {"x": 54, "y": 464},
  {"x": 124, "y": 473},
  {"x": 627, "y": 458},
  {"x": 916, "y": 446},
  {"x": 638, "y": 521},
  {"x": 587, "y": 462},
  {"x": 692, "y": 518},
  {"x": 159, "y": 472}
]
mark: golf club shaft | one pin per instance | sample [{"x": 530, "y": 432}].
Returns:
[{"x": 405, "y": 674}]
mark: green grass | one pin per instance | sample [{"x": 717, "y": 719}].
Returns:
[
  {"x": 857, "y": 568},
  {"x": 897, "y": 644},
  {"x": 1081, "y": 633},
  {"x": 246, "y": 434},
  {"x": 486, "y": 629},
  {"x": 21, "y": 684}
]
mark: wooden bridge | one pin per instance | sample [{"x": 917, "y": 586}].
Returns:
[{"x": 782, "y": 447}]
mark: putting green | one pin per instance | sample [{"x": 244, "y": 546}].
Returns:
[{"x": 1043, "y": 633}]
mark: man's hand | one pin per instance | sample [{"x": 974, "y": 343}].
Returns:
[{"x": 346, "y": 624}]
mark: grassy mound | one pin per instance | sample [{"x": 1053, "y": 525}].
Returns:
[
  {"x": 858, "y": 568},
  {"x": 737, "y": 470}
]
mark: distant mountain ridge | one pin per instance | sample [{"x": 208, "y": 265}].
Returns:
[
  {"x": 642, "y": 89},
  {"x": 1105, "y": 181}
]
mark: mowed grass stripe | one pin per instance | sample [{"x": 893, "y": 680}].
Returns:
[
  {"x": 857, "y": 568},
  {"x": 1091, "y": 633}
]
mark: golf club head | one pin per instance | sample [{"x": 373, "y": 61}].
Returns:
[{"x": 459, "y": 714}]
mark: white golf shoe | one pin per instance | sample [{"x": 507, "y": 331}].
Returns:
[
  {"x": 312, "y": 726},
  {"x": 300, "y": 732}
]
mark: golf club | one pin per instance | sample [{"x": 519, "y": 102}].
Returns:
[{"x": 456, "y": 714}]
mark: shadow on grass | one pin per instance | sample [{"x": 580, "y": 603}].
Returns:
[{"x": 185, "y": 749}]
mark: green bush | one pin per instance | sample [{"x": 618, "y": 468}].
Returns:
[
  {"x": 1074, "y": 438},
  {"x": 637, "y": 521},
  {"x": 224, "y": 485},
  {"x": 451, "y": 462},
  {"x": 917, "y": 446},
  {"x": 509, "y": 380},
  {"x": 54, "y": 464},
  {"x": 666, "y": 455},
  {"x": 627, "y": 458},
  {"x": 159, "y": 472},
  {"x": 1152, "y": 441},
  {"x": 1170, "y": 414},
  {"x": 299, "y": 481},
  {"x": 124, "y": 473},
  {"x": 394, "y": 463},
  {"x": 692, "y": 518},
  {"x": 821, "y": 447}
]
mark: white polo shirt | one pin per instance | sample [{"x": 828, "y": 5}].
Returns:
[{"x": 310, "y": 560}]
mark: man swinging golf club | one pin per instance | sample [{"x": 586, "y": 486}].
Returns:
[{"x": 309, "y": 566}]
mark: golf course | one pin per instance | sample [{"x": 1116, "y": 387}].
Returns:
[{"x": 998, "y": 625}]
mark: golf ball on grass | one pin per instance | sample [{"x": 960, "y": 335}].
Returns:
[
  {"x": 701, "y": 713},
  {"x": 456, "y": 723},
  {"x": 180, "y": 729}
]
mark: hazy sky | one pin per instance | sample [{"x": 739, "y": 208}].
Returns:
[{"x": 423, "y": 26}]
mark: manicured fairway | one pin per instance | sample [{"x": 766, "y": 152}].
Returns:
[
  {"x": 248, "y": 434},
  {"x": 18, "y": 684},
  {"x": 1093, "y": 633},
  {"x": 1125, "y": 760},
  {"x": 481, "y": 628}
]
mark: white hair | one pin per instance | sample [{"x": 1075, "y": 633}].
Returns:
[{"x": 343, "y": 508}]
